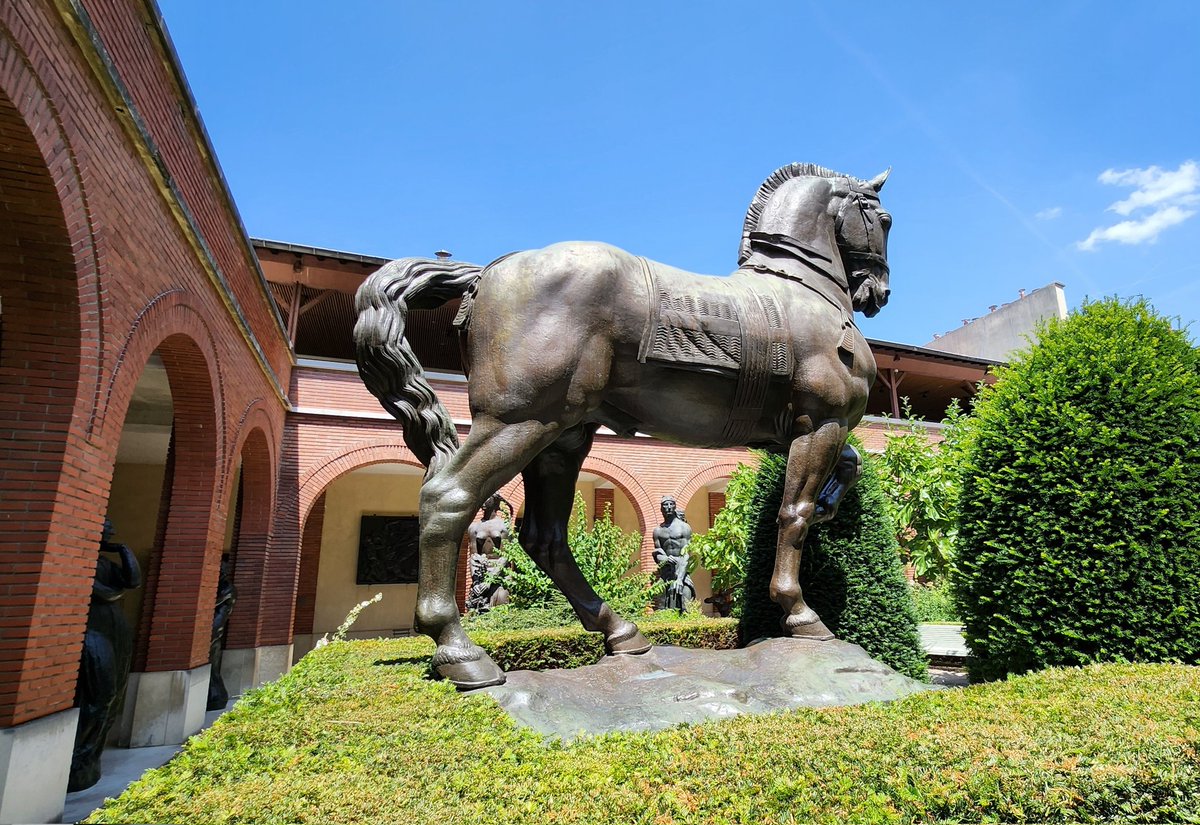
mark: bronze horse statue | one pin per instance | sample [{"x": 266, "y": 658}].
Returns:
[{"x": 558, "y": 342}]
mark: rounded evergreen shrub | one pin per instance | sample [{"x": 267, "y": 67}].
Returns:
[
  {"x": 1079, "y": 517},
  {"x": 850, "y": 572}
]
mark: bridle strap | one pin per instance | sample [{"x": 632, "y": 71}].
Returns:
[{"x": 867, "y": 219}]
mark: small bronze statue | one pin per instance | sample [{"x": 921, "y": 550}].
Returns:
[
  {"x": 104, "y": 664},
  {"x": 670, "y": 540},
  {"x": 487, "y": 536},
  {"x": 218, "y": 695},
  {"x": 561, "y": 341}
]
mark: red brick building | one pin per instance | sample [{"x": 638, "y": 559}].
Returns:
[{"x": 158, "y": 367}]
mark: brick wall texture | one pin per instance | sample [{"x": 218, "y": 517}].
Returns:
[{"x": 97, "y": 273}]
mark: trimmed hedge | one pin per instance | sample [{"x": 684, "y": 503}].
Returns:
[
  {"x": 1079, "y": 536},
  {"x": 573, "y": 646},
  {"x": 356, "y": 733},
  {"x": 850, "y": 572}
]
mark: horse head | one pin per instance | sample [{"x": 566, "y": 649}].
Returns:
[
  {"x": 861, "y": 229},
  {"x": 833, "y": 221}
]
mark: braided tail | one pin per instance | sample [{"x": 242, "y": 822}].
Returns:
[{"x": 386, "y": 362}]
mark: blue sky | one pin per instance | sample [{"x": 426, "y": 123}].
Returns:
[{"x": 1030, "y": 142}]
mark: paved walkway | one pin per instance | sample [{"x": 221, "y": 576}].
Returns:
[
  {"x": 944, "y": 640},
  {"x": 121, "y": 767}
]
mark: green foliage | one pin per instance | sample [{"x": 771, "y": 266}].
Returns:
[
  {"x": 566, "y": 647},
  {"x": 605, "y": 555},
  {"x": 921, "y": 484},
  {"x": 722, "y": 550},
  {"x": 356, "y": 733},
  {"x": 507, "y": 617},
  {"x": 850, "y": 572},
  {"x": 935, "y": 602},
  {"x": 1079, "y": 535}
]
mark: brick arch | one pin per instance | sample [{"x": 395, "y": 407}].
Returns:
[
  {"x": 171, "y": 325},
  {"x": 27, "y": 98},
  {"x": 181, "y": 582},
  {"x": 334, "y": 465},
  {"x": 704, "y": 476},
  {"x": 252, "y": 536},
  {"x": 47, "y": 253},
  {"x": 291, "y": 554},
  {"x": 646, "y": 509}
]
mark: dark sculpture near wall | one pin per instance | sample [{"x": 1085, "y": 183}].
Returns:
[
  {"x": 670, "y": 542},
  {"x": 560, "y": 341},
  {"x": 104, "y": 664},
  {"x": 487, "y": 536},
  {"x": 218, "y": 695}
]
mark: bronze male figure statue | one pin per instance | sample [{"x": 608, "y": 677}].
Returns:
[
  {"x": 563, "y": 340},
  {"x": 670, "y": 542}
]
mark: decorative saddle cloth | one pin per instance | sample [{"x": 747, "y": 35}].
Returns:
[{"x": 732, "y": 326}]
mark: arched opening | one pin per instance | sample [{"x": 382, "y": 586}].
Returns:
[
  {"x": 137, "y": 496},
  {"x": 181, "y": 572},
  {"x": 702, "y": 509},
  {"x": 248, "y": 535},
  {"x": 51, "y": 531},
  {"x": 359, "y": 539}
]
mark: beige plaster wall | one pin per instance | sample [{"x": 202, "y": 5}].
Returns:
[
  {"x": 346, "y": 500},
  {"x": 696, "y": 511},
  {"x": 133, "y": 509}
]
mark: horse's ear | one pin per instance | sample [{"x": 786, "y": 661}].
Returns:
[{"x": 877, "y": 182}]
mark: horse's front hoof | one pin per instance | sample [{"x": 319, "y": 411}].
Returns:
[
  {"x": 467, "y": 669},
  {"x": 807, "y": 625},
  {"x": 627, "y": 640}
]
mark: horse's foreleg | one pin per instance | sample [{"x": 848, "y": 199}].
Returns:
[
  {"x": 811, "y": 459},
  {"x": 492, "y": 454},
  {"x": 549, "y": 494}
]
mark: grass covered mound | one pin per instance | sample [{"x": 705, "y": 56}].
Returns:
[{"x": 356, "y": 733}]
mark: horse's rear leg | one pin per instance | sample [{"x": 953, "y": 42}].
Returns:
[
  {"x": 549, "y": 494},
  {"x": 811, "y": 460},
  {"x": 492, "y": 455}
]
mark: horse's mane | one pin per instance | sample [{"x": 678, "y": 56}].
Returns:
[{"x": 777, "y": 179}]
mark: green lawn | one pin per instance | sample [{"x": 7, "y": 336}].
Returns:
[{"x": 356, "y": 733}]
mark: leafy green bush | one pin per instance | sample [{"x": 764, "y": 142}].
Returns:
[
  {"x": 1079, "y": 535},
  {"x": 850, "y": 572},
  {"x": 920, "y": 485},
  {"x": 935, "y": 602},
  {"x": 355, "y": 733},
  {"x": 605, "y": 555},
  {"x": 722, "y": 550}
]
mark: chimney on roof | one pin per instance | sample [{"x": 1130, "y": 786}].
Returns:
[
  {"x": 993, "y": 307},
  {"x": 1020, "y": 293},
  {"x": 442, "y": 254}
]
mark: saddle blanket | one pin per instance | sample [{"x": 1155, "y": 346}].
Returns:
[{"x": 731, "y": 325}]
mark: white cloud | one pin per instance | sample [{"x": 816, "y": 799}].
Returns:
[
  {"x": 1140, "y": 231},
  {"x": 1048, "y": 214},
  {"x": 1165, "y": 194}
]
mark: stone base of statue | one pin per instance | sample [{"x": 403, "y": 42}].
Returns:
[{"x": 670, "y": 685}]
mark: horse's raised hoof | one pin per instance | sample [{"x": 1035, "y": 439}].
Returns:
[
  {"x": 467, "y": 668},
  {"x": 626, "y": 640},
  {"x": 807, "y": 625}
]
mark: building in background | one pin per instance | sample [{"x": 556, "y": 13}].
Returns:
[{"x": 1006, "y": 328}]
